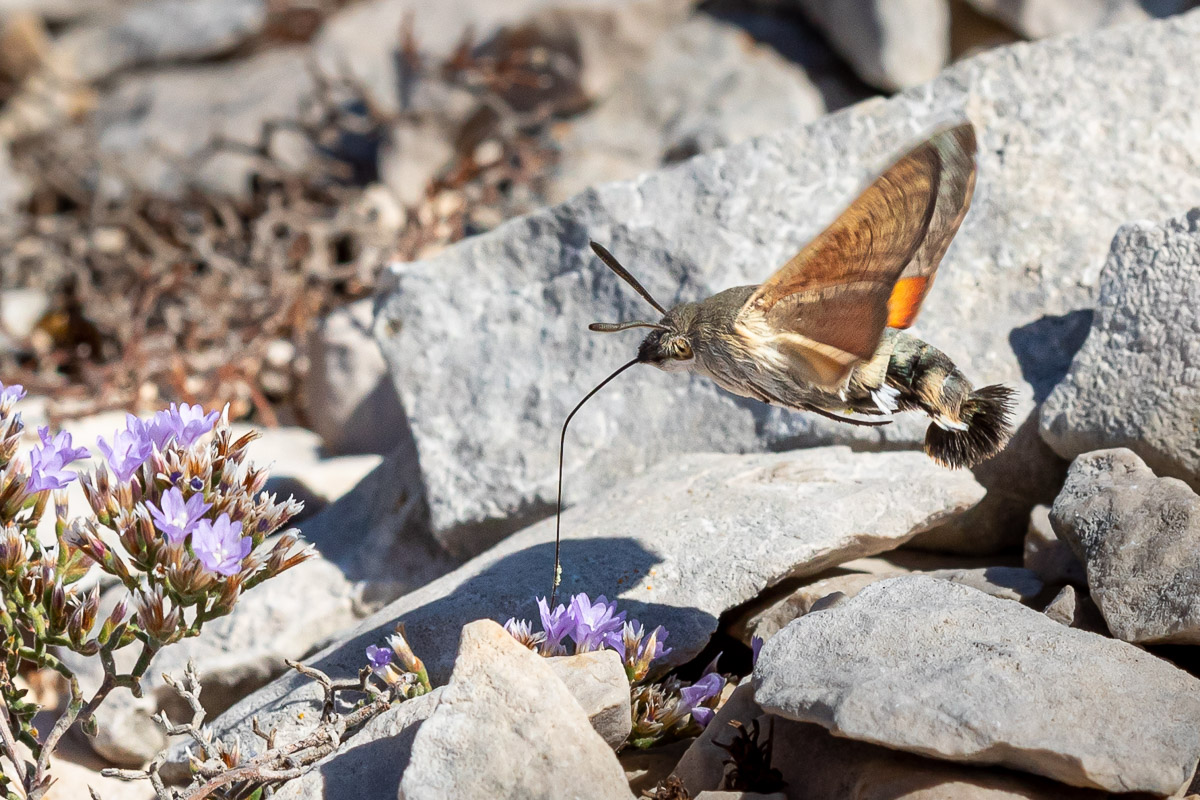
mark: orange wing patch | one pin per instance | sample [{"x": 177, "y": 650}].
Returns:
[{"x": 905, "y": 301}]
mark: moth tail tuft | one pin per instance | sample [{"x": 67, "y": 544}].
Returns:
[{"x": 987, "y": 413}]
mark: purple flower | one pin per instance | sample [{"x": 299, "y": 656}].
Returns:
[
  {"x": 176, "y": 518},
  {"x": 11, "y": 394},
  {"x": 756, "y": 644},
  {"x": 702, "y": 716},
  {"x": 129, "y": 449},
  {"x": 378, "y": 657},
  {"x": 706, "y": 688},
  {"x": 220, "y": 545},
  {"x": 49, "y": 461},
  {"x": 557, "y": 624},
  {"x": 595, "y": 624},
  {"x": 184, "y": 423}
]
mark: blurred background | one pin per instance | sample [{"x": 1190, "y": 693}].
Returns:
[{"x": 196, "y": 196}]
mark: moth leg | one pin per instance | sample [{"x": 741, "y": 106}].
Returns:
[{"x": 872, "y": 423}]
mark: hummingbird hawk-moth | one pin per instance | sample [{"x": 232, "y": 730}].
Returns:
[{"x": 825, "y": 333}]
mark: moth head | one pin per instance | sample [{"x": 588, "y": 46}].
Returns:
[
  {"x": 668, "y": 345},
  {"x": 669, "y": 349}
]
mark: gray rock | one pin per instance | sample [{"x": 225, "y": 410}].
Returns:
[
  {"x": 706, "y": 84},
  {"x": 160, "y": 126},
  {"x": 415, "y": 152},
  {"x": 157, "y": 32},
  {"x": 1035, "y": 19},
  {"x": 234, "y": 655},
  {"x": 818, "y": 766},
  {"x": 369, "y": 763},
  {"x": 1137, "y": 535},
  {"x": 598, "y": 683},
  {"x": 60, "y": 10},
  {"x": 22, "y": 309},
  {"x": 1003, "y": 688},
  {"x": 1076, "y": 610},
  {"x": 506, "y": 727},
  {"x": 14, "y": 187},
  {"x": 774, "y": 618},
  {"x": 1049, "y": 557},
  {"x": 300, "y": 467},
  {"x": 24, "y": 44},
  {"x": 1136, "y": 381},
  {"x": 378, "y": 534},
  {"x": 677, "y": 546},
  {"x": 703, "y": 765},
  {"x": 832, "y": 768},
  {"x": 373, "y": 759},
  {"x": 891, "y": 45},
  {"x": 361, "y": 41},
  {"x": 349, "y": 399},
  {"x": 1007, "y": 583},
  {"x": 608, "y": 37},
  {"x": 487, "y": 342},
  {"x": 646, "y": 769}
]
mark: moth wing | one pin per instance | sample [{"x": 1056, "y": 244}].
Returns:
[
  {"x": 829, "y": 304},
  {"x": 956, "y": 150}
]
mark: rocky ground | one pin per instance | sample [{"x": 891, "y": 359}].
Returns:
[{"x": 365, "y": 226}]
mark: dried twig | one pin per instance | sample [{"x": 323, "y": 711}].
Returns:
[{"x": 220, "y": 771}]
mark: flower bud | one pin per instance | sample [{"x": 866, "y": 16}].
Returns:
[{"x": 14, "y": 550}]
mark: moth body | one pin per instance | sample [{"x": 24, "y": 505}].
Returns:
[
  {"x": 825, "y": 333},
  {"x": 904, "y": 374}
]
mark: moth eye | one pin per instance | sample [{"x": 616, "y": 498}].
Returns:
[{"x": 683, "y": 350}]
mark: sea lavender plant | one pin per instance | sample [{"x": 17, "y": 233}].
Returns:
[
  {"x": 663, "y": 709},
  {"x": 176, "y": 514},
  {"x": 398, "y": 666}
]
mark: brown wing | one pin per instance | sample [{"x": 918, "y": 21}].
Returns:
[
  {"x": 828, "y": 306},
  {"x": 956, "y": 150}
]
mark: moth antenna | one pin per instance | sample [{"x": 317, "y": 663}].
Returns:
[
  {"x": 562, "y": 439},
  {"x": 611, "y": 262},
  {"x": 616, "y": 327}
]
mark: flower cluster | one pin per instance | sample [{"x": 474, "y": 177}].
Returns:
[
  {"x": 661, "y": 710},
  {"x": 176, "y": 513},
  {"x": 189, "y": 513},
  {"x": 398, "y": 666},
  {"x": 592, "y": 626}
]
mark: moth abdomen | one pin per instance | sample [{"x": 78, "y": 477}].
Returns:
[{"x": 968, "y": 425}]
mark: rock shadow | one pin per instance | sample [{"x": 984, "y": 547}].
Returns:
[{"x": 1045, "y": 348}]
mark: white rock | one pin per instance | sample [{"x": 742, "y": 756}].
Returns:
[
  {"x": 926, "y": 666},
  {"x": 507, "y": 727}
]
